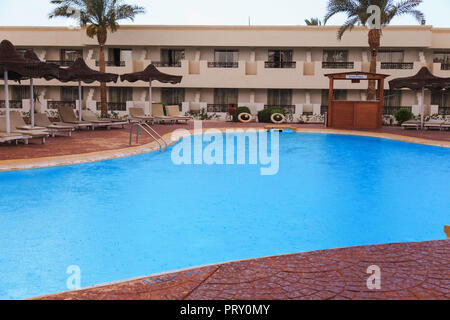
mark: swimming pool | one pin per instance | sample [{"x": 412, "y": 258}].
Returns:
[{"x": 136, "y": 216}]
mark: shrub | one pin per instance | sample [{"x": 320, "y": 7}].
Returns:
[
  {"x": 403, "y": 115},
  {"x": 265, "y": 115},
  {"x": 239, "y": 111}
]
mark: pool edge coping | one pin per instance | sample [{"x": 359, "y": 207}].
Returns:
[
  {"x": 65, "y": 160},
  {"x": 187, "y": 269}
]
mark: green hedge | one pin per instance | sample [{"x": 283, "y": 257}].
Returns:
[
  {"x": 403, "y": 115},
  {"x": 265, "y": 115},
  {"x": 239, "y": 111}
]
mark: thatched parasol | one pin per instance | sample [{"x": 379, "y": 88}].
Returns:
[
  {"x": 148, "y": 75},
  {"x": 424, "y": 79},
  {"x": 79, "y": 71}
]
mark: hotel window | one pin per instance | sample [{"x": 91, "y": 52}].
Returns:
[
  {"x": 339, "y": 95},
  {"x": 336, "y": 59},
  {"x": 20, "y": 92},
  {"x": 118, "y": 56},
  {"x": 335, "y": 55},
  {"x": 173, "y": 96},
  {"x": 171, "y": 58},
  {"x": 392, "y": 56},
  {"x": 279, "y": 97},
  {"x": 225, "y": 59},
  {"x": 70, "y": 93},
  {"x": 441, "y": 57},
  {"x": 118, "y": 97},
  {"x": 280, "y": 59},
  {"x": 68, "y": 56},
  {"x": 225, "y": 96},
  {"x": 440, "y": 98},
  {"x": 392, "y": 98}
]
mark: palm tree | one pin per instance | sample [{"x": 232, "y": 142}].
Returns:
[
  {"x": 356, "y": 11},
  {"x": 98, "y": 17},
  {"x": 313, "y": 22}
]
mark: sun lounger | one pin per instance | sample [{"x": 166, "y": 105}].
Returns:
[
  {"x": 138, "y": 114},
  {"x": 446, "y": 125},
  {"x": 10, "y": 137},
  {"x": 42, "y": 120},
  {"x": 174, "y": 112},
  {"x": 414, "y": 124},
  {"x": 16, "y": 121},
  {"x": 158, "y": 114},
  {"x": 90, "y": 116},
  {"x": 68, "y": 116},
  {"x": 433, "y": 124}
]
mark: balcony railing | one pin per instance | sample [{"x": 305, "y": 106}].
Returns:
[
  {"x": 114, "y": 106},
  {"x": 223, "y": 64},
  {"x": 217, "y": 107},
  {"x": 280, "y": 64},
  {"x": 111, "y": 63},
  {"x": 390, "y": 110},
  {"x": 167, "y": 64},
  {"x": 57, "y": 104},
  {"x": 61, "y": 63},
  {"x": 337, "y": 65},
  {"x": 288, "y": 109},
  {"x": 397, "y": 65},
  {"x": 445, "y": 66},
  {"x": 444, "y": 111},
  {"x": 13, "y": 104}
]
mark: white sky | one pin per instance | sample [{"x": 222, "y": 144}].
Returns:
[{"x": 212, "y": 12}]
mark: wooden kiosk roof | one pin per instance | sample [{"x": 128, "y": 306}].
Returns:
[{"x": 356, "y": 75}]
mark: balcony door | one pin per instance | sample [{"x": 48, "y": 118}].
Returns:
[
  {"x": 171, "y": 57},
  {"x": 225, "y": 97},
  {"x": 70, "y": 94},
  {"x": 279, "y": 97},
  {"x": 118, "y": 97},
  {"x": 335, "y": 56},
  {"x": 118, "y": 56},
  {"x": 279, "y": 58},
  {"x": 68, "y": 56},
  {"x": 173, "y": 96},
  {"x": 226, "y": 58}
]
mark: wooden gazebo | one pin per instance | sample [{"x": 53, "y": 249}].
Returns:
[{"x": 356, "y": 114}]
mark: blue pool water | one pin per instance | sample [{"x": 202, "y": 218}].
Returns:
[{"x": 136, "y": 216}]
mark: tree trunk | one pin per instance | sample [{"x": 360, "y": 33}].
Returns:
[
  {"x": 103, "y": 99},
  {"x": 374, "y": 45}
]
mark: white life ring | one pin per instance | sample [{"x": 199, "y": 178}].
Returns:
[
  {"x": 246, "y": 115},
  {"x": 279, "y": 115}
]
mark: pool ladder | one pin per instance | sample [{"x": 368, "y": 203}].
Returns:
[{"x": 150, "y": 131}]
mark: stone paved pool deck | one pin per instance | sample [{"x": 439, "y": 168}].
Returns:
[{"x": 408, "y": 270}]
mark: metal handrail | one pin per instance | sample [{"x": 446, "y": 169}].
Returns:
[{"x": 140, "y": 125}]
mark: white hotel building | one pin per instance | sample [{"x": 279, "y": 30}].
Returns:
[{"x": 253, "y": 66}]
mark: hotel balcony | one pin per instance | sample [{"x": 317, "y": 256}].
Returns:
[{"x": 441, "y": 69}]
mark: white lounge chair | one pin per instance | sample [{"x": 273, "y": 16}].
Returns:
[
  {"x": 138, "y": 114},
  {"x": 90, "y": 116},
  {"x": 413, "y": 124},
  {"x": 174, "y": 112},
  {"x": 158, "y": 114},
  {"x": 433, "y": 124},
  {"x": 68, "y": 116},
  {"x": 42, "y": 120},
  {"x": 18, "y": 125}
]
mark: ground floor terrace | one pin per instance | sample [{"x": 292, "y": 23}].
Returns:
[
  {"x": 410, "y": 270},
  {"x": 298, "y": 104}
]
